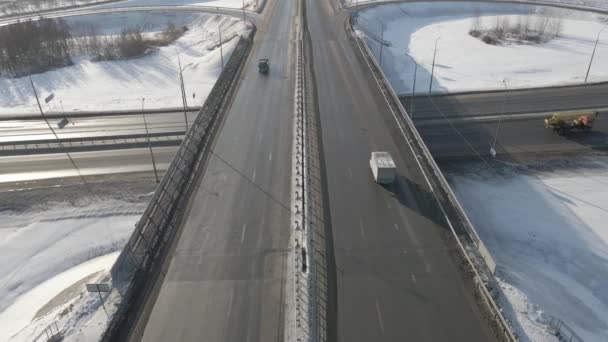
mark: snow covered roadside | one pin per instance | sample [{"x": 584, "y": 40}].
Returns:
[
  {"x": 602, "y": 4},
  {"x": 547, "y": 233},
  {"x": 249, "y": 4},
  {"x": 465, "y": 63},
  {"x": 46, "y": 232},
  {"x": 9, "y": 7},
  {"x": 121, "y": 85}
]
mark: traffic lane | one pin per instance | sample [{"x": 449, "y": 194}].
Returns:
[
  {"x": 48, "y": 166},
  {"x": 230, "y": 257},
  {"x": 474, "y": 139},
  {"x": 94, "y": 127},
  {"x": 514, "y": 101},
  {"x": 381, "y": 237}
]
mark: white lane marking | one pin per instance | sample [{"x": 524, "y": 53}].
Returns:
[
  {"x": 253, "y": 177},
  {"x": 259, "y": 138},
  {"x": 413, "y": 278},
  {"x": 350, "y": 174},
  {"x": 270, "y": 157},
  {"x": 362, "y": 230},
  {"x": 243, "y": 232},
  {"x": 229, "y": 311},
  {"x": 427, "y": 268},
  {"x": 396, "y": 226},
  {"x": 379, "y": 316},
  {"x": 412, "y": 235}
]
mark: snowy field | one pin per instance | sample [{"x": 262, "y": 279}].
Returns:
[
  {"x": 114, "y": 85},
  {"x": 465, "y": 63},
  {"x": 48, "y": 238},
  {"x": 8, "y": 7},
  {"x": 545, "y": 225},
  {"x": 602, "y": 4},
  {"x": 249, "y": 4}
]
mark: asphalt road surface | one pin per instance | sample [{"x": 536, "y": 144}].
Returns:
[
  {"x": 47, "y": 166},
  {"x": 226, "y": 277},
  {"x": 514, "y": 101},
  {"x": 28, "y": 130},
  {"x": 519, "y": 136},
  {"x": 395, "y": 278}
]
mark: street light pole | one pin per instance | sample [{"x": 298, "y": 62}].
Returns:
[
  {"x": 413, "y": 86},
  {"x": 433, "y": 67},
  {"x": 243, "y": 10},
  {"x": 381, "y": 39},
  {"x": 593, "y": 53},
  {"x": 143, "y": 114},
  {"x": 221, "y": 48},
  {"x": 504, "y": 103},
  {"x": 183, "y": 89}
]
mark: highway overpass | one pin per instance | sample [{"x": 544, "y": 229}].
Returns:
[{"x": 393, "y": 276}]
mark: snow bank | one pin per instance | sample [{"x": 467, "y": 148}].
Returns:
[
  {"x": 46, "y": 232},
  {"x": 547, "y": 232},
  {"x": 19, "y": 321},
  {"x": 465, "y": 63},
  {"x": 122, "y": 84}
]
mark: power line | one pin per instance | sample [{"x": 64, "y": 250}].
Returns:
[{"x": 269, "y": 195}]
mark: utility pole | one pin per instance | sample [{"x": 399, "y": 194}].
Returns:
[
  {"x": 593, "y": 53},
  {"x": 504, "y": 103},
  {"x": 143, "y": 99},
  {"x": 221, "y": 48},
  {"x": 433, "y": 67},
  {"x": 54, "y": 133},
  {"x": 243, "y": 10},
  {"x": 381, "y": 39},
  {"x": 413, "y": 86},
  {"x": 183, "y": 90}
]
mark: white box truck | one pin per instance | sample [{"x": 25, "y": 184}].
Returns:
[{"x": 383, "y": 167}]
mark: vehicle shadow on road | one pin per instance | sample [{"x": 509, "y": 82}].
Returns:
[{"x": 417, "y": 198}]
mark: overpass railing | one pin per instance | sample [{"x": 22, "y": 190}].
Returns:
[
  {"x": 140, "y": 262},
  {"x": 470, "y": 247},
  {"x": 563, "y": 332}
]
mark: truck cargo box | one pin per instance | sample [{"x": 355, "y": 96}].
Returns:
[{"x": 383, "y": 167}]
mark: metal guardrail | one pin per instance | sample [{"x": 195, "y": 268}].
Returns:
[
  {"x": 460, "y": 226},
  {"x": 51, "y": 333},
  {"x": 143, "y": 254},
  {"x": 562, "y": 331}
]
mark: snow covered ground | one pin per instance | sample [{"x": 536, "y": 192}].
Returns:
[
  {"x": 47, "y": 239},
  {"x": 249, "y": 4},
  {"x": 465, "y": 63},
  {"x": 122, "y": 84},
  {"x": 545, "y": 225},
  {"x": 8, "y": 7},
  {"x": 602, "y": 4}
]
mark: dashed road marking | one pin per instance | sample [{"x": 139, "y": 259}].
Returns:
[
  {"x": 362, "y": 229},
  {"x": 396, "y": 226},
  {"x": 253, "y": 177},
  {"x": 413, "y": 278},
  {"x": 350, "y": 173},
  {"x": 379, "y": 316},
  {"x": 243, "y": 233}
]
